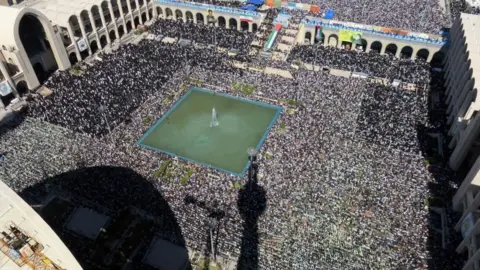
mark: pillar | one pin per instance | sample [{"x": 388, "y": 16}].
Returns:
[
  {"x": 148, "y": 13},
  {"x": 122, "y": 15},
  {"x": 104, "y": 24},
  {"x": 84, "y": 35},
  {"x": 250, "y": 27},
  {"x": 414, "y": 54},
  {"x": 227, "y": 23},
  {"x": 463, "y": 145},
  {"x": 94, "y": 26},
  {"x": 72, "y": 37},
  {"x": 382, "y": 50},
  {"x": 139, "y": 12},
  {"x": 114, "y": 20},
  {"x": 398, "y": 52}
]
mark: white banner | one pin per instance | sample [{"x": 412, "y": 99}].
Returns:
[
  {"x": 5, "y": 88},
  {"x": 82, "y": 45}
]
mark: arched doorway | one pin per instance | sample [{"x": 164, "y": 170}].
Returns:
[
  {"x": 168, "y": 13},
  {"x": 406, "y": 52},
  {"x": 150, "y": 13},
  {"x": 124, "y": 7},
  {"x": 423, "y": 54},
  {"x": 73, "y": 58},
  {"x": 116, "y": 9},
  {"x": 129, "y": 26},
  {"x": 22, "y": 88},
  {"x": 178, "y": 14},
  {"x": 85, "y": 19},
  {"x": 362, "y": 45},
  {"x": 376, "y": 46},
  {"x": 189, "y": 16},
  {"x": 96, "y": 17},
  {"x": 222, "y": 22},
  {"x": 112, "y": 35},
  {"x": 94, "y": 46},
  {"x": 121, "y": 31},
  {"x": 391, "y": 49},
  {"x": 244, "y": 26},
  {"x": 199, "y": 18},
  {"x": 106, "y": 12},
  {"x": 308, "y": 37},
  {"x": 233, "y": 24},
  {"x": 103, "y": 41},
  {"x": 136, "y": 22},
  {"x": 159, "y": 11},
  {"x": 144, "y": 17},
  {"x": 35, "y": 42},
  {"x": 437, "y": 59},
  {"x": 254, "y": 27},
  {"x": 333, "y": 40}
]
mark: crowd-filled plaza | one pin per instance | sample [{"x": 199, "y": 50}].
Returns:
[{"x": 343, "y": 166}]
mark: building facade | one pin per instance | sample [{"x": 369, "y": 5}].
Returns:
[{"x": 462, "y": 73}]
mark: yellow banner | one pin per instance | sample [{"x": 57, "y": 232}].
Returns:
[{"x": 349, "y": 36}]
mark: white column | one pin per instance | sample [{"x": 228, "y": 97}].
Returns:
[
  {"x": 94, "y": 27},
  {"x": 72, "y": 38},
  {"x": 102, "y": 17},
  {"x": 250, "y": 27},
  {"x": 139, "y": 12},
  {"x": 84, "y": 35},
  {"x": 114, "y": 20},
  {"x": 148, "y": 13},
  {"x": 155, "y": 13},
  {"x": 119, "y": 3}
]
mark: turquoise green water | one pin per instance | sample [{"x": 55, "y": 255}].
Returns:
[{"x": 185, "y": 131}]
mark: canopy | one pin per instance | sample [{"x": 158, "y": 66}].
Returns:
[
  {"x": 255, "y": 2},
  {"x": 249, "y": 7},
  {"x": 329, "y": 14}
]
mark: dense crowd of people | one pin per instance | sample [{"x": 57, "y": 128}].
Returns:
[
  {"x": 372, "y": 63},
  {"x": 343, "y": 167}
]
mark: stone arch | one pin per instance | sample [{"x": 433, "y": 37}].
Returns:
[
  {"x": 136, "y": 21},
  {"x": 423, "y": 54},
  {"x": 391, "y": 48},
  {"x": 53, "y": 52},
  {"x": 121, "y": 31},
  {"x": 159, "y": 11},
  {"x": 178, "y": 14},
  {"x": 106, "y": 12},
  {"x": 189, "y": 16},
  {"x": 254, "y": 27},
  {"x": 168, "y": 13},
  {"x": 94, "y": 46},
  {"x": 112, "y": 35},
  {"x": 96, "y": 16},
  {"x": 22, "y": 87},
  {"x": 200, "y": 17},
  {"x": 233, "y": 23},
  {"x": 308, "y": 36},
  {"x": 133, "y": 5},
  {"x": 116, "y": 9},
  {"x": 144, "y": 17},
  {"x": 73, "y": 58},
  {"x": 437, "y": 59},
  {"x": 333, "y": 40},
  {"x": 363, "y": 43},
  {"x": 85, "y": 20},
  {"x": 75, "y": 25},
  {"x": 222, "y": 22},
  {"x": 103, "y": 41},
  {"x": 244, "y": 26},
  {"x": 150, "y": 13},
  {"x": 376, "y": 46},
  {"x": 406, "y": 52},
  {"x": 129, "y": 26}
]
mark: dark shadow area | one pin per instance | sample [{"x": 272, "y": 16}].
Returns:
[
  {"x": 10, "y": 122},
  {"x": 252, "y": 202},
  {"x": 442, "y": 237},
  {"x": 137, "y": 214}
]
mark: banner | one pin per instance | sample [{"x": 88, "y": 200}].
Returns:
[
  {"x": 5, "y": 88},
  {"x": 82, "y": 45},
  {"x": 467, "y": 225},
  {"x": 315, "y": 9},
  {"x": 349, "y": 36},
  {"x": 319, "y": 34}
]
